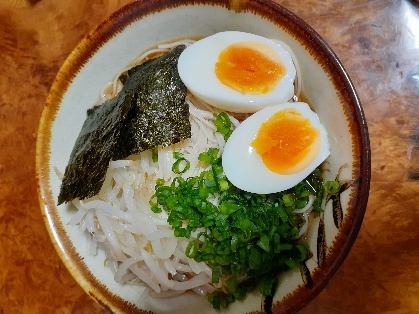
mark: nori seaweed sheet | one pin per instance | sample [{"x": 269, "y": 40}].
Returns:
[
  {"x": 89, "y": 159},
  {"x": 159, "y": 115},
  {"x": 150, "y": 110}
]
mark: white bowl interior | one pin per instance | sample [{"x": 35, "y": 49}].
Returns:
[{"x": 167, "y": 25}]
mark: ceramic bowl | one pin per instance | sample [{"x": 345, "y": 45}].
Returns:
[{"x": 111, "y": 46}]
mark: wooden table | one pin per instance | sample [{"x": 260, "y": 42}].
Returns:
[{"x": 378, "y": 43}]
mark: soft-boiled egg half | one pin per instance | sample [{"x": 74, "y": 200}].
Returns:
[
  {"x": 237, "y": 71},
  {"x": 275, "y": 148}
]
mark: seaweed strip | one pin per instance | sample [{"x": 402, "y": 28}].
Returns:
[
  {"x": 159, "y": 114},
  {"x": 149, "y": 111},
  {"x": 89, "y": 160}
]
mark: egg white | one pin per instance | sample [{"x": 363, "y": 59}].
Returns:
[
  {"x": 196, "y": 67},
  {"x": 244, "y": 167}
]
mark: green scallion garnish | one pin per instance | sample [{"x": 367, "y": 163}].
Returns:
[
  {"x": 181, "y": 165},
  {"x": 245, "y": 234},
  {"x": 223, "y": 124}
]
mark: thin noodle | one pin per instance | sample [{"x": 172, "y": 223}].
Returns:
[{"x": 139, "y": 244}]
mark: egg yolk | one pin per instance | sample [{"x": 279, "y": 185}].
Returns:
[
  {"x": 250, "y": 68},
  {"x": 287, "y": 142}
]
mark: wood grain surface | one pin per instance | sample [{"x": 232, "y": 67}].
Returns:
[{"x": 377, "y": 42}]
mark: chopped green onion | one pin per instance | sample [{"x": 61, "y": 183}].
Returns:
[
  {"x": 254, "y": 258},
  {"x": 231, "y": 284},
  {"x": 159, "y": 182},
  {"x": 288, "y": 200},
  {"x": 292, "y": 263},
  {"x": 177, "y": 155},
  {"x": 268, "y": 286},
  {"x": 215, "y": 299},
  {"x": 215, "y": 275},
  {"x": 181, "y": 165},
  {"x": 154, "y": 155},
  {"x": 223, "y": 184},
  {"x": 210, "y": 156},
  {"x": 244, "y": 234},
  {"x": 304, "y": 251},
  {"x": 331, "y": 187},
  {"x": 228, "y": 208},
  {"x": 223, "y": 124},
  {"x": 263, "y": 243},
  {"x": 156, "y": 209}
]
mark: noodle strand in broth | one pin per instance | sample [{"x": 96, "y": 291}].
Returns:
[{"x": 139, "y": 244}]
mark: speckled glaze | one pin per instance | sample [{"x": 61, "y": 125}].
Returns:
[{"x": 377, "y": 42}]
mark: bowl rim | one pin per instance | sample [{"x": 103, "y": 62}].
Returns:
[{"x": 115, "y": 24}]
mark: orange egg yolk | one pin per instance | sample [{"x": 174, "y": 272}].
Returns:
[
  {"x": 250, "y": 68},
  {"x": 287, "y": 142}
]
